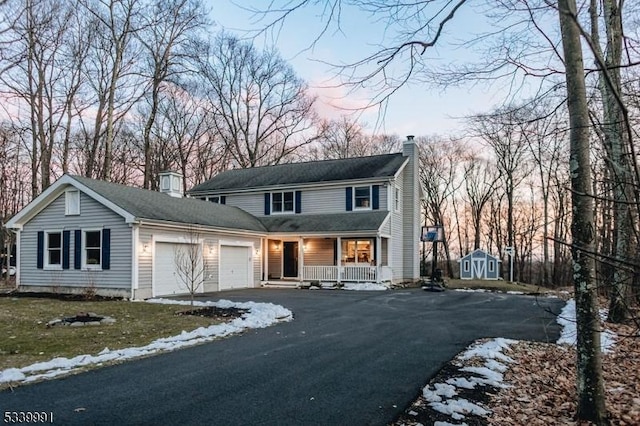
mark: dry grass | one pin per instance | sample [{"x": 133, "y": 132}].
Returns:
[
  {"x": 497, "y": 285},
  {"x": 26, "y": 338}
]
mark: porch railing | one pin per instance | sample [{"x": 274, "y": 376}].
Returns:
[
  {"x": 346, "y": 273},
  {"x": 320, "y": 273}
]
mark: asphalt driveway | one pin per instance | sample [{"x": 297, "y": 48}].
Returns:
[{"x": 351, "y": 358}]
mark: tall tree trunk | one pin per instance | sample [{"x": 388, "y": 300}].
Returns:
[
  {"x": 621, "y": 173},
  {"x": 590, "y": 386}
]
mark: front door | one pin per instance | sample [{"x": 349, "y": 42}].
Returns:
[{"x": 290, "y": 259}]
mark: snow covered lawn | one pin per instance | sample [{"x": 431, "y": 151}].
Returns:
[{"x": 258, "y": 315}]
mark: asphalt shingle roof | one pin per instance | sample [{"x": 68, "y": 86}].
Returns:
[
  {"x": 340, "y": 222},
  {"x": 377, "y": 166},
  {"x": 153, "y": 205}
]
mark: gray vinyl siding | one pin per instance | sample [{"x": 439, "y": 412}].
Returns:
[
  {"x": 397, "y": 237},
  {"x": 323, "y": 200},
  {"x": 313, "y": 200},
  {"x": 275, "y": 259},
  {"x": 93, "y": 215},
  {"x": 411, "y": 213},
  {"x": 151, "y": 234},
  {"x": 252, "y": 203},
  {"x": 319, "y": 252}
]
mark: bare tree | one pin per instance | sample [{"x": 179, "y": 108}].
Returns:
[
  {"x": 503, "y": 132},
  {"x": 111, "y": 70},
  {"x": 191, "y": 264},
  {"x": 545, "y": 135},
  {"x": 168, "y": 28},
  {"x": 480, "y": 180},
  {"x": 36, "y": 77},
  {"x": 617, "y": 140},
  {"x": 182, "y": 124},
  {"x": 591, "y": 403},
  {"x": 261, "y": 109},
  {"x": 439, "y": 161}
]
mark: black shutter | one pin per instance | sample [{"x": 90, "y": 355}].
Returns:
[
  {"x": 40, "y": 257},
  {"x": 335, "y": 252},
  {"x": 66, "y": 242},
  {"x": 223, "y": 199},
  {"x": 77, "y": 249},
  {"x": 349, "y": 197},
  {"x": 106, "y": 248},
  {"x": 267, "y": 204},
  {"x": 298, "y": 201},
  {"x": 375, "y": 195}
]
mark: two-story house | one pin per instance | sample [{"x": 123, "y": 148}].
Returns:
[{"x": 344, "y": 220}]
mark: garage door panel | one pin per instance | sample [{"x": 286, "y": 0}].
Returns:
[
  {"x": 167, "y": 280},
  {"x": 235, "y": 266}
]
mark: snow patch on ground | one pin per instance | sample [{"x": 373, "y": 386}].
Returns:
[
  {"x": 259, "y": 315},
  {"x": 442, "y": 396},
  {"x": 568, "y": 335},
  {"x": 365, "y": 286}
]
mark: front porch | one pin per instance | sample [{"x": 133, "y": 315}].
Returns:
[{"x": 329, "y": 259}]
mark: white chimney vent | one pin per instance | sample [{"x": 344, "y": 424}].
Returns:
[{"x": 171, "y": 183}]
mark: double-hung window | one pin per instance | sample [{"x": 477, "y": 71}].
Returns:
[
  {"x": 283, "y": 202},
  {"x": 53, "y": 244},
  {"x": 92, "y": 253},
  {"x": 362, "y": 197}
]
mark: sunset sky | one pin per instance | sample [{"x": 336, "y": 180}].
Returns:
[{"x": 416, "y": 109}]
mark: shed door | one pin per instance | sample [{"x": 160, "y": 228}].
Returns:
[
  {"x": 479, "y": 268},
  {"x": 235, "y": 267}
]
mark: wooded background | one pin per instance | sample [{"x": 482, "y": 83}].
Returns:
[{"x": 122, "y": 89}]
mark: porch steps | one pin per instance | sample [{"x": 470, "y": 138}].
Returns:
[{"x": 281, "y": 284}]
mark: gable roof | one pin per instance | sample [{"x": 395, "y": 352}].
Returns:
[
  {"x": 377, "y": 166},
  {"x": 141, "y": 204},
  {"x": 479, "y": 253},
  {"x": 318, "y": 223}
]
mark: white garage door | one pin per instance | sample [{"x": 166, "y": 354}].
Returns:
[
  {"x": 166, "y": 279},
  {"x": 235, "y": 267}
]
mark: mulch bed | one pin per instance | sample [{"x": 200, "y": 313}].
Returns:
[{"x": 215, "y": 312}]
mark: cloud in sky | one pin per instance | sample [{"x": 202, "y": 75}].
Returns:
[{"x": 414, "y": 109}]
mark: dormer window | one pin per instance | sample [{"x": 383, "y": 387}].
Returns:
[{"x": 362, "y": 197}]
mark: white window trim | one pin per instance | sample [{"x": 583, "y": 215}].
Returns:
[
  {"x": 67, "y": 204},
  {"x": 492, "y": 265},
  {"x": 85, "y": 266},
  {"x": 211, "y": 197},
  {"x": 46, "y": 264},
  {"x": 466, "y": 264},
  {"x": 283, "y": 211},
  {"x": 370, "y": 207}
]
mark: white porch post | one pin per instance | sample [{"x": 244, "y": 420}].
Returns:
[
  {"x": 339, "y": 258},
  {"x": 301, "y": 258},
  {"x": 265, "y": 259},
  {"x": 378, "y": 258}
]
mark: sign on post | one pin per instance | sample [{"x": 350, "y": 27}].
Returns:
[{"x": 510, "y": 252}]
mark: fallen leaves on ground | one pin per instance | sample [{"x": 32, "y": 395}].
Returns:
[{"x": 543, "y": 383}]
